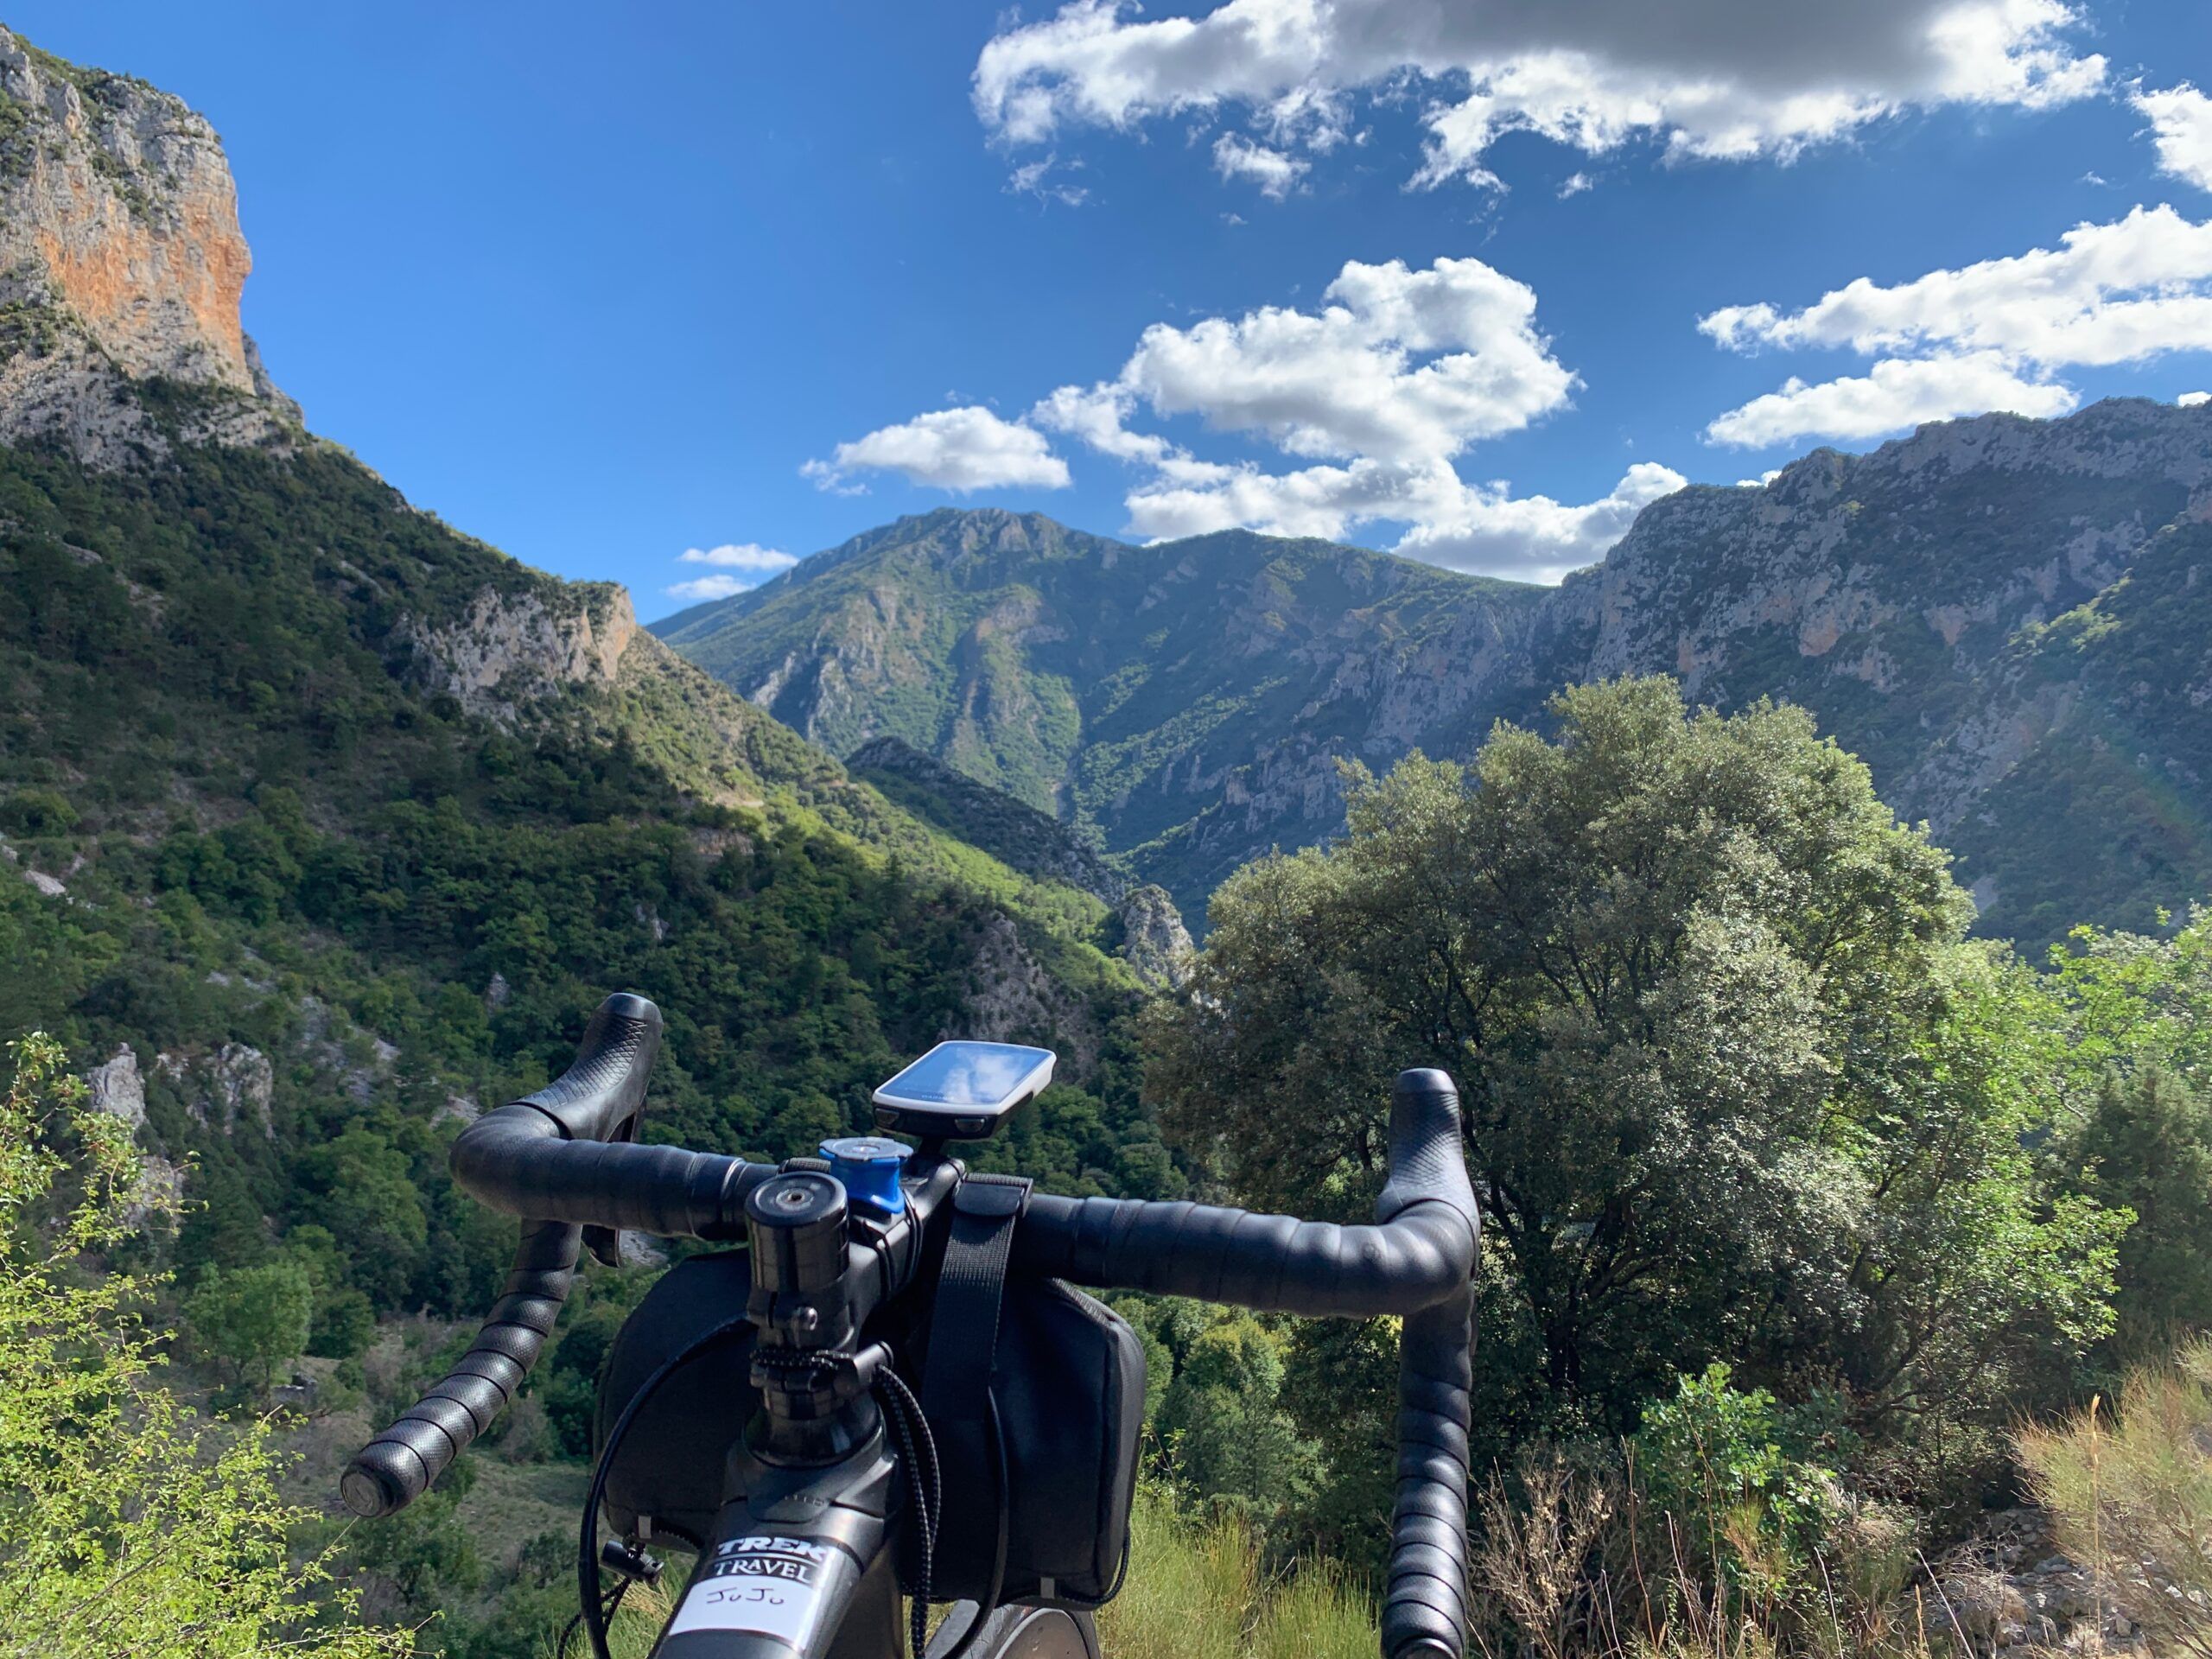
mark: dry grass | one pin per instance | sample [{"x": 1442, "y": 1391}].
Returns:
[
  {"x": 2130, "y": 1496},
  {"x": 1196, "y": 1590},
  {"x": 1571, "y": 1563}
]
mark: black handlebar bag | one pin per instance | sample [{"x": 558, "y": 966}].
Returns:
[
  {"x": 1035, "y": 1395},
  {"x": 668, "y": 1469}
]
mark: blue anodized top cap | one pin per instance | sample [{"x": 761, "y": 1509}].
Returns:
[{"x": 868, "y": 1165}]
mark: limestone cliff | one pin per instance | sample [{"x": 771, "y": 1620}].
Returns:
[{"x": 121, "y": 265}]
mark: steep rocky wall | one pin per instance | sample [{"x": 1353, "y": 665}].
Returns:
[
  {"x": 121, "y": 261},
  {"x": 514, "y": 647}
]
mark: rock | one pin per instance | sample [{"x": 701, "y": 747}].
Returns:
[
  {"x": 1154, "y": 942},
  {"x": 1006, "y": 996},
  {"x": 240, "y": 1082},
  {"x": 510, "y": 649},
  {"x": 498, "y": 994},
  {"x": 121, "y": 261},
  {"x": 118, "y": 1088},
  {"x": 46, "y": 884},
  {"x": 160, "y": 1190},
  {"x": 244, "y": 1085},
  {"x": 458, "y": 1108},
  {"x": 325, "y": 1043}
]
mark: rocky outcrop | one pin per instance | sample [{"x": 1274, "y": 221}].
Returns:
[
  {"x": 121, "y": 262},
  {"x": 511, "y": 649},
  {"x": 1154, "y": 942},
  {"x": 1007, "y": 996},
  {"x": 236, "y": 1084},
  {"x": 117, "y": 1088},
  {"x": 2011, "y": 1590}
]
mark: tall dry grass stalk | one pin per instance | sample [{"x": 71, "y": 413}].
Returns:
[
  {"x": 2130, "y": 1496},
  {"x": 1573, "y": 1564}
]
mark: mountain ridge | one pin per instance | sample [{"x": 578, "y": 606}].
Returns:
[{"x": 1892, "y": 592}]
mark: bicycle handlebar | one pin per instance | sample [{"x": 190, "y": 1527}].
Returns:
[
  {"x": 1417, "y": 1261},
  {"x": 562, "y": 1158}
]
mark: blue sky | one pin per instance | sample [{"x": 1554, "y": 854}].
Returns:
[{"x": 602, "y": 285}]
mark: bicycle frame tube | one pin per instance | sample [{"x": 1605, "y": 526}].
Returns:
[{"x": 800, "y": 1566}]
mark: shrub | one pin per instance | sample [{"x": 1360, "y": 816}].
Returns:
[
  {"x": 1196, "y": 1590},
  {"x": 37, "y": 812},
  {"x": 253, "y": 1320},
  {"x": 127, "y": 1528},
  {"x": 2130, "y": 1496}
]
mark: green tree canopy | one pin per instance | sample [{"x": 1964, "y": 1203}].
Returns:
[
  {"x": 127, "y": 1528},
  {"x": 254, "y": 1320},
  {"x": 1735, "y": 1089}
]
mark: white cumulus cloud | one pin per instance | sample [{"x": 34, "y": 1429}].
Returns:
[
  {"x": 748, "y": 556},
  {"x": 1483, "y": 528},
  {"x": 738, "y": 565},
  {"x": 1729, "y": 78},
  {"x": 1896, "y": 393},
  {"x": 2181, "y": 126},
  {"x": 1398, "y": 363},
  {"x": 959, "y": 449},
  {"x": 1274, "y": 171},
  {"x": 1986, "y": 336},
  {"x": 705, "y": 588},
  {"x": 1393, "y": 375},
  {"x": 1397, "y": 373},
  {"x": 2191, "y": 399}
]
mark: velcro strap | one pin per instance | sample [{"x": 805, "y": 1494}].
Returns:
[{"x": 956, "y": 1382}]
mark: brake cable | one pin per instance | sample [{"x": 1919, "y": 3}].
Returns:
[
  {"x": 925, "y": 1488},
  {"x": 590, "y": 1608}
]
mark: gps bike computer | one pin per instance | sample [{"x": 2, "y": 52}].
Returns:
[{"x": 961, "y": 1091}]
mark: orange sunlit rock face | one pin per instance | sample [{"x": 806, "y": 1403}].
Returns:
[
  {"x": 121, "y": 209},
  {"x": 135, "y": 284}
]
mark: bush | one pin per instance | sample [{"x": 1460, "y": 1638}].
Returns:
[
  {"x": 1713, "y": 1457},
  {"x": 127, "y": 1528},
  {"x": 253, "y": 1320},
  {"x": 37, "y": 812},
  {"x": 2130, "y": 1496}
]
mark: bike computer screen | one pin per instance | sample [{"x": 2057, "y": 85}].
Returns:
[{"x": 962, "y": 1088}]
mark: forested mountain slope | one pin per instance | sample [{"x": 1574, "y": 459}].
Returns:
[
  {"x": 1965, "y": 607},
  {"x": 323, "y": 825},
  {"x": 1187, "y": 699}
]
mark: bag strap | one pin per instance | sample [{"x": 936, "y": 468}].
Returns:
[{"x": 956, "y": 1381}]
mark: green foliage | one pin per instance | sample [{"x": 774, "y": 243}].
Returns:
[
  {"x": 1712, "y": 1456},
  {"x": 361, "y": 859},
  {"x": 37, "y": 812},
  {"x": 1217, "y": 1408},
  {"x": 127, "y": 1528},
  {"x": 253, "y": 1320},
  {"x": 2147, "y": 1149},
  {"x": 1196, "y": 1589},
  {"x": 1735, "y": 1090}
]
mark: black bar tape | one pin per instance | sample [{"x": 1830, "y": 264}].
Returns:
[
  {"x": 547, "y": 1158},
  {"x": 1418, "y": 1261},
  {"x": 398, "y": 1466},
  {"x": 515, "y": 1160}
]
